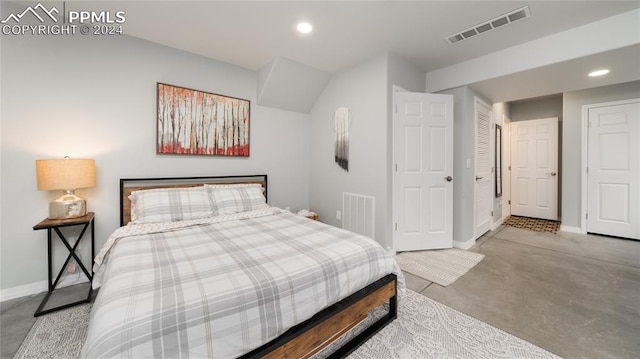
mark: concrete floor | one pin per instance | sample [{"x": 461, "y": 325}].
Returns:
[
  {"x": 577, "y": 296},
  {"x": 16, "y": 316}
]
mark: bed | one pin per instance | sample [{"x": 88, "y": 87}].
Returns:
[{"x": 207, "y": 269}]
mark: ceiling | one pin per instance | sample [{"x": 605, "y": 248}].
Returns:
[
  {"x": 564, "y": 76},
  {"x": 251, "y": 33}
]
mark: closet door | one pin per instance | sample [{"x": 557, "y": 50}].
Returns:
[
  {"x": 483, "y": 189},
  {"x": 613, "y": 195}
]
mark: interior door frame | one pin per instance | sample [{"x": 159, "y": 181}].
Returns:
[
  {"x": 395, "y": 90},
  {"x": 585, "y": 159},
  {"x": 506, "y": 166}
]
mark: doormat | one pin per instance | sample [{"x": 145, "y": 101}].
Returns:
[
  {"x": 441, "y": 266},
  {"x": 533, "y": 224}
]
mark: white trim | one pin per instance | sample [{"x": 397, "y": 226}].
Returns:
[
  {"x": 571, "y": 229},
  {"x": 464, "y": 245},
  {"x": 38, "y": 287},
  {"x": 585, "y": 159},
  {"x": 394, "y": 236},
  {"x": 497, "y": 224},
  {"x": 23, "y": 290},
  {"x": 506, "y": 171}
]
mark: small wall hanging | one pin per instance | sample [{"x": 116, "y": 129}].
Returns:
[
  {"x": 193, "y": 122},
  {"x": 341, "y": 123}
]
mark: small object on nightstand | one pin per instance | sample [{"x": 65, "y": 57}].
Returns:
[
  {"x": 308, "y": 214},
  {"x": 50, "y": 225}
]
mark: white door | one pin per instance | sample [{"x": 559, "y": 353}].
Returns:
[
  {"x": 534, "y": 168},
  {"x": 613, "y": 194},
  {"x": 423, "y": 170},
  {"x": 506, "y": 167},
  {"x": 483, "y": 190}
]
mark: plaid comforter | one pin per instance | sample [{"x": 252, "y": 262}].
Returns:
[{"x": 222, "y": 286}]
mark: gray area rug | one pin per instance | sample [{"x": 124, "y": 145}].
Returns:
[
  {"x": 57, "y": 335},
  {"x": 441, "y": 266},
  {"x": 424, "y": 329},
  {"x": 428, "y": 329}
]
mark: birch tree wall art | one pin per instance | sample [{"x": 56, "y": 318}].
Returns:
[
  {"x": 341, "y": 125},
  {"x": 194, "y": 122}
]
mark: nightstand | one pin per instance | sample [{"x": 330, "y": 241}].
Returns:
[{"x": 54, "y": 225}]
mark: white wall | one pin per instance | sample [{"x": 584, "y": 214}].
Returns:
[
  {"x": 463, "y": 150},
  {"x": 363, "y": 90},
  {"x": 95, "y": 97},
  {"x": 572, "y": 141},
  {"x": 367, "y": 90},
  {"x": 537, "y": 108},
  {"x": 463, "y": 139}
]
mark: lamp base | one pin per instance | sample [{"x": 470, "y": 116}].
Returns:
[{"x": 67, "y": 206}]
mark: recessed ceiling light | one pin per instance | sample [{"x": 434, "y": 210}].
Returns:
[
  {"x": 598, "y": 73},
  {"x": 304, "y": 27}
]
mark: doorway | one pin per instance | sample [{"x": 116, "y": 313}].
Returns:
[{"x": 534, "y": 168}]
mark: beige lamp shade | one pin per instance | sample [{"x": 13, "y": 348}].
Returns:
[{"x": 65, "y": 174}]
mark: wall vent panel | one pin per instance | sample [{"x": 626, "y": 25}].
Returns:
[
  {"x": 358, "y": 214},
  {"x": 502, "y": 20}
]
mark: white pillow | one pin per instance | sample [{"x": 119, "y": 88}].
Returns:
[
  {"x": 170, "y": 204},
  {"x": 236, "y": 198}
]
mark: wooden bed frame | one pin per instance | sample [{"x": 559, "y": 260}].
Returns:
[{"x": 307, "y": 338}]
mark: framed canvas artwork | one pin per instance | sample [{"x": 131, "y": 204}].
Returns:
[{"x": 192, "y": 122}]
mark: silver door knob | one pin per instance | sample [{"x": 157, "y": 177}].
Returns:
[
  {"x": 449, "y": 178},
  {"x": 553, "y": 173},
  {"x": 479, "y": 178}
]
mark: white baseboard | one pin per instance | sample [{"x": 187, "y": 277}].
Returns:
[
  {"x": 497, "y": 224},
  {"x": 23, "y": 290},
  {"x": 464, "y": 245},
  {"x": 38, "y": 287},
  {"x": 571, "y": 229}
]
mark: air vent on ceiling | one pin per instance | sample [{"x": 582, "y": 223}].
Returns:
[{"x": 492, "y": 24}]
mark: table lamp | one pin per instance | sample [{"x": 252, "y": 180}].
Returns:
[{"x": 66, "y": 174}]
